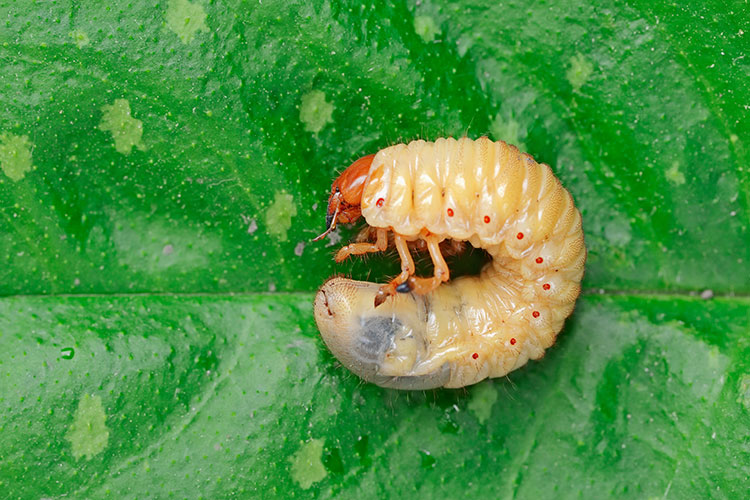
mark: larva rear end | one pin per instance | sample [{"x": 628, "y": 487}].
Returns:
[{"x": 382, "y": 345}]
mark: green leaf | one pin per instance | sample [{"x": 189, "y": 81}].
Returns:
[{"x": 163, "y": 165}]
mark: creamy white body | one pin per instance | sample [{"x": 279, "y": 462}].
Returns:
[{"x": 496, "y": 198}]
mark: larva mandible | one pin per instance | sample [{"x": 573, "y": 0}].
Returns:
[{"x": 473, "y": 327}]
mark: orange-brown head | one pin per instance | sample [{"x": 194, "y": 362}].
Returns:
[{"x": 344, "y": 204}]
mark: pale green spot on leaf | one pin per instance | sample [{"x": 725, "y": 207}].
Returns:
[
  {"x": 674, "y": 175},
  {"x": 483, "y": 397},
  {"x": 307, "y": 467},
  {"x": 185, "y": 19},
  {"x": 509, "y": 131},
  {"x": 426, "y": 28},
  {"x": 279, "y": 215},
  {"x": 580, "y": 70},
  {"x": 88, "y": 434},
  {"x": 126, "y": 130},
  {"x": 315, "y": 112},
  {"x": 80, "y": 38},
  {"x": 15, "y": 155}
]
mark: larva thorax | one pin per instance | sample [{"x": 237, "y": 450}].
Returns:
[{"x": 383, "y": 345}]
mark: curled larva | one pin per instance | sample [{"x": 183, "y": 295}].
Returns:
[{"x": 452, "y": 334}]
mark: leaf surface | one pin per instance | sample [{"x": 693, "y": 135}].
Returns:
[{"x": 163, "y": 166}]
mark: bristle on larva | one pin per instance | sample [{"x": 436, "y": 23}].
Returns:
[{"x": 496, "y": 198}]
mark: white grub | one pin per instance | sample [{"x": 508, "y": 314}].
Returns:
[{"x": 454, "y": 333}]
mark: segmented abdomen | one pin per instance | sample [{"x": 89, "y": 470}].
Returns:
[{"x": 490, "y": 194}]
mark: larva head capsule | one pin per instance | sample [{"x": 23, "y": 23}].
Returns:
[
  {"x": 384, "y": 345},
  {"x": 344, "y": 204}
]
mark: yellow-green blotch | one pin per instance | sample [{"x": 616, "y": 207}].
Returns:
[
  {"x": 580, "y": 70},
  {"x": 88, "y": 434},
  {"x": 426, "y": 28},
  {"x": 674, "y": 175},
  {"x": 509, "y": 131},
  {"x": 80, "y": 38},
  {"x": 185, "y": 19},
  {"x": 15, "y": 155},
  {"x": 307, "y": 467},
  {"x": 279, "y": 215},
  {"x": 315, "y": 112},
  {"x": 126, "y": 130},
  {"x": 483, "y": 397}
]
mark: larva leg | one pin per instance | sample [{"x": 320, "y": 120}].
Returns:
[
  {"x": 422, "y": 286},
  {"x": 407, "y": 269},
  {"x": 366, "y": 234},
  {"x": 381, "y": 243}
]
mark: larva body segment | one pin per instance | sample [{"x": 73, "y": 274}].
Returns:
[{"x": 473, "y": 327}]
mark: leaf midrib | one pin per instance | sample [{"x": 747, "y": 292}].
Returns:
[{"x": 657, "y": 294}]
